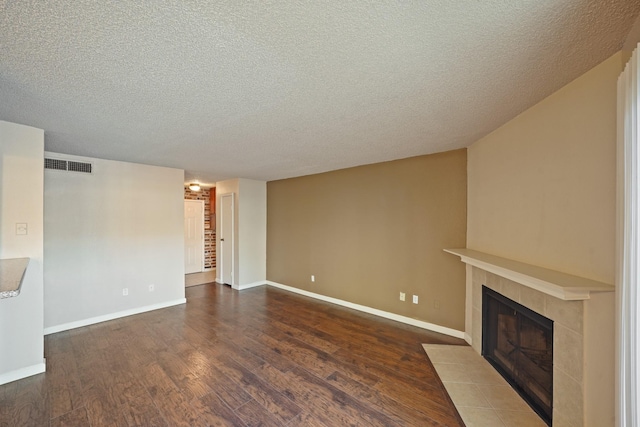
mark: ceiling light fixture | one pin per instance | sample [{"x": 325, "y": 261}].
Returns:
[{"x": 194, "y": 186}]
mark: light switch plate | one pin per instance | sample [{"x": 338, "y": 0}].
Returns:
[{"x": 21, "y": 228}]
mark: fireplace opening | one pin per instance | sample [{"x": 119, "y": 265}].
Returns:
[{"x": 518, "y": 342}]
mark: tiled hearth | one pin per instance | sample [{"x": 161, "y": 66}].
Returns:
[{"x": 482, "y": 397}]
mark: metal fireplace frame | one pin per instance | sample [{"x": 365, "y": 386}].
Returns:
[{"x": 488, "y": 341}]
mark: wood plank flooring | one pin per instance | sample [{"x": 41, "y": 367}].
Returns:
[{"x": 260, "y": 357}]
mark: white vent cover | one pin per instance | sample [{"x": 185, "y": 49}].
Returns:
[{"x": 67, "y": 165}]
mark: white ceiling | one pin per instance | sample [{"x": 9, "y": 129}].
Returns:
[{"x": 271, "y": 89}]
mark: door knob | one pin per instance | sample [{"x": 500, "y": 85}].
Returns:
[{"x": 222, "y": 240}]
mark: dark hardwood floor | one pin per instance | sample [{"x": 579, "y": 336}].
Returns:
[{"x": 260, "y": 357}]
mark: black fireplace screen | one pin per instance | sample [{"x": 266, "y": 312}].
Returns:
[{"x": 518, "y": 342}]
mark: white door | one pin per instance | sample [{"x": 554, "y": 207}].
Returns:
[
  {"x": 226, "y": 238},
  {"x": 193, "y": 236}
]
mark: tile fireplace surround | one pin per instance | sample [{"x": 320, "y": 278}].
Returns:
[{"x": 583, "y": 313}]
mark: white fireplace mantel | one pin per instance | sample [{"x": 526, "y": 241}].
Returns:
[{"x": 560, "y": 285}]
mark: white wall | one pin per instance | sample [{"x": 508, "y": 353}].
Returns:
[
  {"x": 21, "y": 179},
  {"x": 253, "y": 232},
  {"x": 120, "y": 227},
  {"x": 250, "y": 233}
]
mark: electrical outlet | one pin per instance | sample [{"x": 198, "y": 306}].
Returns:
[
  {"x": 152, "y": 288},
  {"x": 313, "y": 278},
  {"x": 125, "y": 292},
  {"x": 415, "y": 299},
  {"x": 402, "y": 296}
]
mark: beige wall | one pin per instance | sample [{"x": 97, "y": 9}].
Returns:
[
  {"x": 369, "y": 232},
  {"x": 542, "y": 187}
]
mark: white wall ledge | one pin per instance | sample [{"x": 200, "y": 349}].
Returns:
[
  {"x": 11, "y": 276},
  {"x": 560, "y": 285}
]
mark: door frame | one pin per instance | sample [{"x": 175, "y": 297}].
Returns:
[
  {"x": 201, "y": 203},
  {"x": 219, "y": 238}
]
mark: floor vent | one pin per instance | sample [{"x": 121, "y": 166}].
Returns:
[{"x": 67, "y": 165}]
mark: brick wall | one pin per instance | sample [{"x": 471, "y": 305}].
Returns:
[{"x": 209, "y": 225}]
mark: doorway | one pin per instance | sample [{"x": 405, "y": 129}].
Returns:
[
  {"x": 226, "y": 238},
  {"x": 193, "y": 236}
]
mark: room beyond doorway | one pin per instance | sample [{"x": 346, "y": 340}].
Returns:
[
  {"x": 208, "y": 196},
  {"x": 195, "y": 279},
  {"x": 193, "y": 236}
]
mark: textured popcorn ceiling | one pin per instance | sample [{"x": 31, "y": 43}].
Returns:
[{"x": 274, "y": 89}]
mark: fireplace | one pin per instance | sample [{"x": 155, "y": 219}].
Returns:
[
  {"x": 583, "y": 315},
  {"x": 518, "y": 342}
]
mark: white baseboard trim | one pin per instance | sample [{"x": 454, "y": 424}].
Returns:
[
  {"x": 392, "y": 316},
  {"x": 21, "y": 373},
  {"x": 111, "y": 316},
  {"x": 467, "y": 338},
  {"x": 249, "y": 285}
]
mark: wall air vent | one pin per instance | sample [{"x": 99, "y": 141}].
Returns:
[
  {"x": 67, "y": 165},
  {"x": 60, "y": 165},
  {"x": 79, "y": 167}
]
